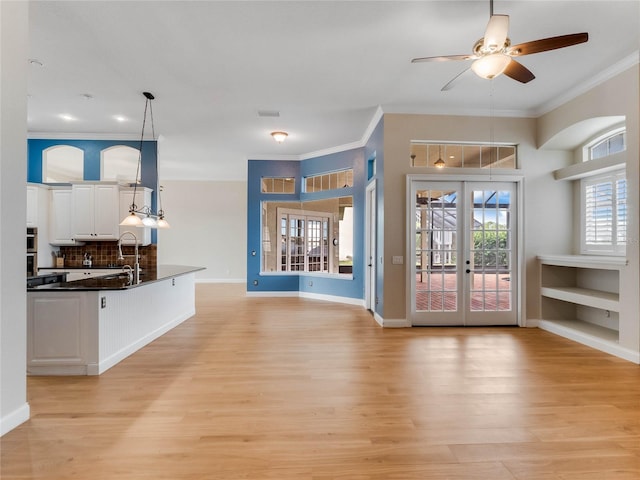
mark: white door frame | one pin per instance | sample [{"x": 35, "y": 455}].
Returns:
[
  {"x": 507, "y": 176},
  {"x": 370, "y": 247}
]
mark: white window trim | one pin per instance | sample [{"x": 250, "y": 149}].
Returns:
[
  {"x": 306, "y": 215},
  {"x": 612, "y": 249}
]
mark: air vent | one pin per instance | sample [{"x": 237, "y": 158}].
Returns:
[{"x": 268, "y": 113}]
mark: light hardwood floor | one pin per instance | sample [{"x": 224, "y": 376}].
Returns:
[{"x": 255, "y": 388}]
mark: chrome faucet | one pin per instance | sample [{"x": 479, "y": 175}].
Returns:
[{"x": 136, "y": 265}]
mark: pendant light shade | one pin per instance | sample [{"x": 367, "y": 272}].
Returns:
[{"x": 131, "y": 220}]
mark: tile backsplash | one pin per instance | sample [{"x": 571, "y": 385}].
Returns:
[{"x": 105, "y": 254}]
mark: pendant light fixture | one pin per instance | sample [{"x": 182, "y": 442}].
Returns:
[
  {"x": 145, "y": 217},
  {"x": 440, "y": 162}
]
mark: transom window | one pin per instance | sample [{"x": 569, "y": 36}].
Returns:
[
  {"x": 329, "y": 181},
  {"x": 462, "y": 155},
  {"x": 278, "y": 185},
  {"x": 614, "y": 142}
]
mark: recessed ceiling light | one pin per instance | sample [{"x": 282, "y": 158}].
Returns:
[
  {"x": 120, "y": 118},
  {"x": 67, "y": 117}
]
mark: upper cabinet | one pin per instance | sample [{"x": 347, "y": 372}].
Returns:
[
  {"x": 95, "y": 209},
  {"x": 60, "y": 215},
  {"x": 32, "y": 206}
]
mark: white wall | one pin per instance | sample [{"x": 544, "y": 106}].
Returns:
[
  {"x": 14, "y": 52},
  {"x": 208, "y": 228}
]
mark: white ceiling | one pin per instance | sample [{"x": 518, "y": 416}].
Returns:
[{"x": 325, "y": 66}]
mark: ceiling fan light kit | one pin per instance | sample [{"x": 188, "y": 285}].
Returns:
[
  {"x": 493, "y": 54},
  {"x": 491, "y": 66}
]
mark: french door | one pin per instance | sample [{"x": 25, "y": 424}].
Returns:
[{"x": 463, "y": 263}]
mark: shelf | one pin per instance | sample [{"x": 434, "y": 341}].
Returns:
[
  {"x": 594, "y": 336},
  {"x": 584, "y": 261},
  {"x": 592, "y": 167},
  {"x": 584, "y": 296}
]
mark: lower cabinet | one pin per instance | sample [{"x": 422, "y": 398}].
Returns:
[{"x": 88, "y": 332}]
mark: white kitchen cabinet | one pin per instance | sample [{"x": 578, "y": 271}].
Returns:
[
  {"x": 60, "y": 217},
  {"x": 32, "y": 206},
  {"x": 38, "y": 217},
  {"x": 95, "y": 210},
  {"x": 143, "y": 197}
]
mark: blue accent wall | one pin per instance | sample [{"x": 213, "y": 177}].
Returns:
[
  {"x": 92, "y": 149},
  {"x": 322, "y": 285}
]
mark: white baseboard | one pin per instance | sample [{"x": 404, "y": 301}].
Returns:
[
  {"x": 395, "y": 323},
  {"x": 15, "y": 418},
  {"x": 333, "y": 298},
  {"x": 313, "y": 296}
]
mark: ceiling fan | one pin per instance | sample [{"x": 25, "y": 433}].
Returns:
[{"x": 493, "y": 54}]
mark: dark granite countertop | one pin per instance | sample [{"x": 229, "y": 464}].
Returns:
[{"x": 118, "y": 280}]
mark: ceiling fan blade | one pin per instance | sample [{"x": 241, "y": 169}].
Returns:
[
  {"x": 545, "y": 44},
  {"x": 496, "y": 32},
  {"x": 518, "y": 72},
  {"x": 445, "y": 58},
  {"x": 454, "y": 80}
]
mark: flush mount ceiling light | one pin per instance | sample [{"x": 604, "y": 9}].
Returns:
[
  {"x": 279, "y": 136},
  {"x": 145, "y": 217}
]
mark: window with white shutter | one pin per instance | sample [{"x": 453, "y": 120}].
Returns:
[{"x": 604, "y": 206}]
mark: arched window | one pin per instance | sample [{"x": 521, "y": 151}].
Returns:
[
  {"x": 62, "y": 164},
  {"x": 120, "y": 164},
  {"x": 611, "y": 143}
]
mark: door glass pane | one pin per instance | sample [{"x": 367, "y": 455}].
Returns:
[
  {"x": 435, "y": 252},
  {"x": 296, "y": 244},
  {"x": 491, "y": 251}
]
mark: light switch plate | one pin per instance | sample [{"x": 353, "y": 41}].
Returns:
[{"x": 397, "y": 260}]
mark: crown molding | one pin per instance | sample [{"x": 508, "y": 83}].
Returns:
[
  {"x": 608, "y": 73},
  {"x": 82, "y": 136}
]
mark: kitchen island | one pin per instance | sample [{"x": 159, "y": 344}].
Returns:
[{"x": 87, "y": 326}]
